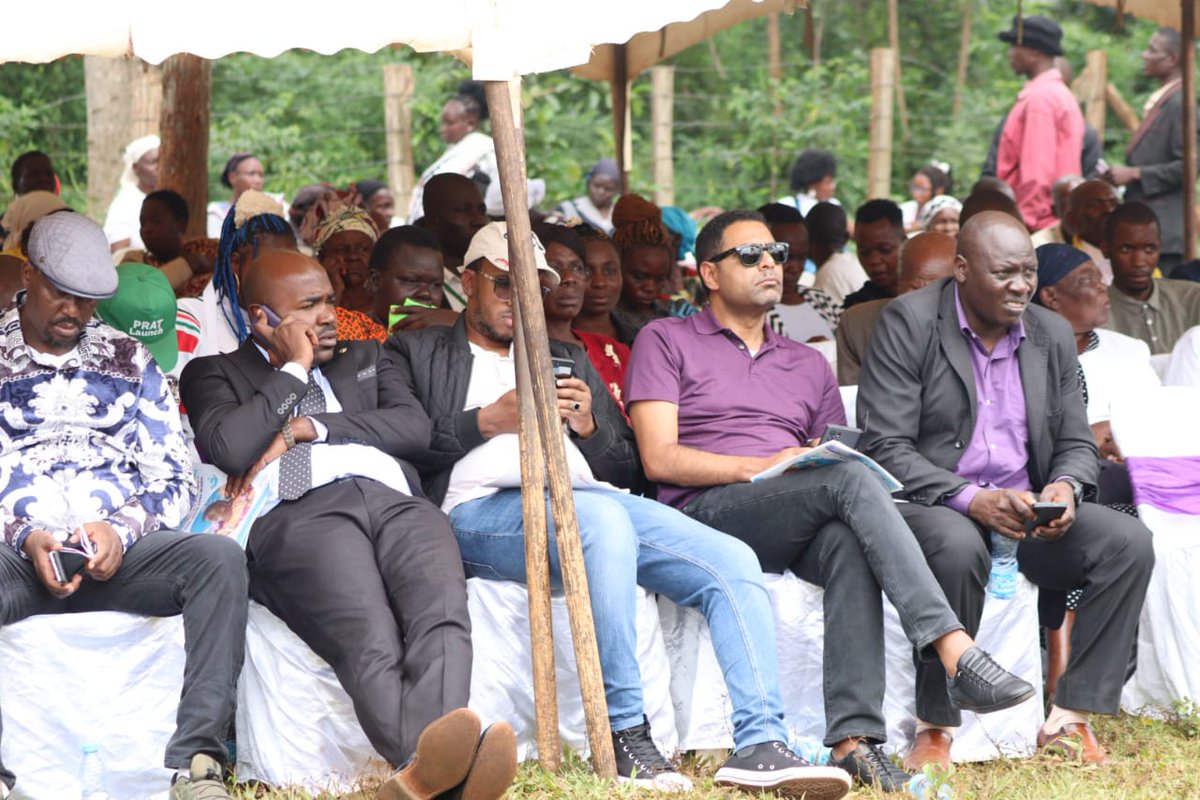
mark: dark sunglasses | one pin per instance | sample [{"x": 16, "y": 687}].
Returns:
[
  {"x": 503, "y": 286},
  {"x": 751, "y": 254}
]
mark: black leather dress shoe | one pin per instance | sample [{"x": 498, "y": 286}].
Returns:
[{"x": 982, "y": 685}]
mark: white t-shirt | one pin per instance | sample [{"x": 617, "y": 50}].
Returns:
[
  {"x": 840, "y": 275},
  {"x": 1184, "y": 367},
  {"x": 1119, "y": 365},
  {"x": 496, "y": 464}
]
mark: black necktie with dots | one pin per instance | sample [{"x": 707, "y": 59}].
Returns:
[{"x": 295, "y": 466}]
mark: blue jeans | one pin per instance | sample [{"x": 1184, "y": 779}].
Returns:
[{"x": 629, "y": 541}]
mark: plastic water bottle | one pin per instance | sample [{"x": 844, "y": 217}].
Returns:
[
  {"x": 811, "y": 750},
  {"x": 92, "y": 774},
  {"x": 1002, "y": 582},
  {"x": 920, "y": 787}
]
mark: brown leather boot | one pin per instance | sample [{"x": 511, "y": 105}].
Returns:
[{"x": 930, "y": 747}]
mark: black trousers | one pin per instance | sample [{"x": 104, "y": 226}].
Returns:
[
  {"x": 1107, "y": 553},
  {"x": 164, "y": 573},
  {"x": 371, "y": 579}
]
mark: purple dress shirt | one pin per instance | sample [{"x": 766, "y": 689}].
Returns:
[
  {"x": 731, "y": 402},
  {"x": 997, "y": 457}
]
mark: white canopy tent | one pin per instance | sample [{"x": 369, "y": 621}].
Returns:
[{"x": 502, "y": 40}]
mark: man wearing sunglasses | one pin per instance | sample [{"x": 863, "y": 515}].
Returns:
[
  {"x": 719, "y": 397},
  {"x": 96, "y": 474},
  {"x": 464, "y": 377}
]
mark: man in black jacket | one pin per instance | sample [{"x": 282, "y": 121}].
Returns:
[
  {"x": 355, "y": 561},
  {"x": 465, "y": 378}
]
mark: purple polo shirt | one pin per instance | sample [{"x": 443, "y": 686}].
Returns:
[
  {"x": 997, "y": 457},
  {"x": 731, "y": 402}
]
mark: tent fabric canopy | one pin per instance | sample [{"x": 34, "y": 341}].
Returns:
[{"x": 500, "y": 38}]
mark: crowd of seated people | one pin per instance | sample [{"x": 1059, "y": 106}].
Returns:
[{"x": 364, "y": 368}]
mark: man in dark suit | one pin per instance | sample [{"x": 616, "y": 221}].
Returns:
[
  {"x": 1155, "y": 153},
  {"x": 974, "y": 402},
  {"x": 354, "y": 559}
]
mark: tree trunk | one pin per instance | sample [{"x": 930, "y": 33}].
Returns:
[
  {"x": 894, "y": 44},
  {"x": 964, "y": 48},
  {"x": 183, "y": 156}
]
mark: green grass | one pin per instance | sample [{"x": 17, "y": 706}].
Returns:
[{"x": 1152, "y": 760}]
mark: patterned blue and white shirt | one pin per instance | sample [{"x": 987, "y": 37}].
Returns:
[{"x": 91, "y": 436}]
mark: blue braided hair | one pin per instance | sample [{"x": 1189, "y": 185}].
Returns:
[{"x": 232, "y": 238}]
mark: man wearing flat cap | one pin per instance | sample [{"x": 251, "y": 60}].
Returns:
[
  {"x": 1042, "y": 137},
  {"x": 96, "y": 476}
]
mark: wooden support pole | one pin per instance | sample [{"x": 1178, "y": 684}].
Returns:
[
  {"x": 398, "y": 88},
  {"x": 1120, "y": 107},
  {"x": 894, "y": 44},
  {"x": 662, "y": 105},
  {"x": 1094, "y": 104},
  {"x": 1188, "y": 29},
  {"x": 774, "y": 55},
  {"x": 620, "y": 113},
  {"x": 106, "y": 87},
  {"x": 147, "y": 89},
  {"x": 537, "y": 565},
  {"x": 964, "y": 48},
  {"x": 183, "y": 156},
  {"x": 879, "y": 153},
  {"x": 538, "y": 385}
]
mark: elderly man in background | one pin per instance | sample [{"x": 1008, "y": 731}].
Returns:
[
  {"x": 975, "y": 405},
  {"x": 96, "y": 470},
  {"x": 1058, "y": 233},
  {"x": 1156, "y": 310},
  {"x": 1088, "y": 207},
  {"x": 1042, "y": 138},
  {"x": 925, "y": 258}
]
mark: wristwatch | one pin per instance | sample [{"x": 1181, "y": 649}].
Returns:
[
  {"x": 1076, "y": 486},
  {"x": 289, "y": 438}
]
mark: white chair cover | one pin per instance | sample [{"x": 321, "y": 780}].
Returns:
[
  {"x": 1160, "y": 425},
  {"x": 104, "y": 677},
  {"x": 296, "y": 726},
  {"x": 1009, "y": 631}
]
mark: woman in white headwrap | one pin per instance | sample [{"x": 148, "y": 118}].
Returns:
[
  {"x": 123, "y": 224},
  {"x": 940, "y": 215}
]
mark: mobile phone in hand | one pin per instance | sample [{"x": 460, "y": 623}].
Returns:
[
  {"x": 66, "y": 564},
  {"x": 563, "y": 367},
  {"x": 1046, "y": 513}
]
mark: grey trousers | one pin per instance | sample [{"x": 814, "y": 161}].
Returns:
[
  {"x": 371, "y": 580},
  {"x": 1107, "y": 553},
  {"x": 836, "y": 526},
  {"x": 164, "y": 573}
]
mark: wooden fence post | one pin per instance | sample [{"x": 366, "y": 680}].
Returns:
[
  {"x": 398, "y": 87},
  {"x": 879, "y": 154},
  {"x": 1095, "y": 107},
  {"x": 662, "y": 102}
]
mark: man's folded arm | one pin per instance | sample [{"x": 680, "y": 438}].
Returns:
[
  {"x": 229, "y": 433},
  {"x": 889, "y": 400}
]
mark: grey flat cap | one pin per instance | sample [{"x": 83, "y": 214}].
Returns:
[{"x": 72, "y": 252}]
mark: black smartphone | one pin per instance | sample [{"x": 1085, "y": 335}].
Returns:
[
  {"x": 841, "y": 433},
  {"x": 66, "y": 564},
  {"x": 1046, "y": 513},
  {"x": 563, "y": 367}
]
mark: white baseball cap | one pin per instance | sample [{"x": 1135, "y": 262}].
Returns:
[{"x": 491, "y": 242}]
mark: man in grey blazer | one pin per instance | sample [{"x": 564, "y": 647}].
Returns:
[
  {"x": 1154, "y": 174},
  {"x": 973, "y": 401}
]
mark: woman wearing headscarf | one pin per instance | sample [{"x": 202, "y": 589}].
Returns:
[
  {"x": 123, "y": 224},
  {"x": 469, "y": 151},
  {"x": 940, "y": 215},
  {"x": 342, "y": 240},
  {"x": 595, "y": 207}
]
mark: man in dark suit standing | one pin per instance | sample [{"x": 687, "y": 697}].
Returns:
[
  {"x": 974, "y": 403},
  {"x": 1155, "y": 153},
  {"x": 354, "y": 559}
]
